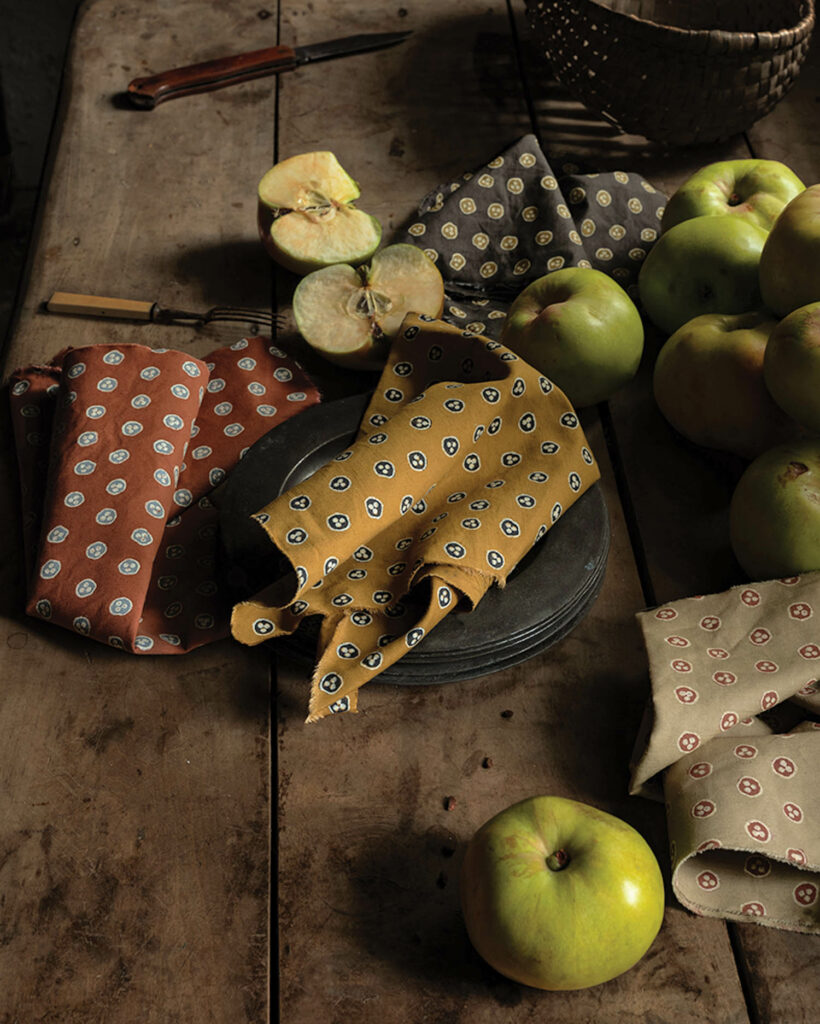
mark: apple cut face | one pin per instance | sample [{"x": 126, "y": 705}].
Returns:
[
  {"x": 350, "y": 316},
  {"x": 306, "y": 215}
]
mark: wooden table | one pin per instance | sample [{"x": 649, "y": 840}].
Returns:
[{"x": 137, "y": 870}]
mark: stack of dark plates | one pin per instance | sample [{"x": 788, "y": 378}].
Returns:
[{"x": 546, "y": 595}]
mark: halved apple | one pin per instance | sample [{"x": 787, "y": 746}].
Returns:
[
  {"x": 350, "y": 315},
  {"x": 306, "y": 215}
]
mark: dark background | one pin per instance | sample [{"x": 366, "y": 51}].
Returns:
[{"x": 33, "y": 41}]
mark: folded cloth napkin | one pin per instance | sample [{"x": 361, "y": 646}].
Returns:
[
  {"x": 493, "y": 231},
  {"x": 118, "y": 448},
  {"x": 465, "y": 457},
  {"x": 742, "y": 799}
]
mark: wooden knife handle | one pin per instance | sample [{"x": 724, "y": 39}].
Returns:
[
  {"x": 98, "y": 305},
  {"x": 211, "y": 74}
]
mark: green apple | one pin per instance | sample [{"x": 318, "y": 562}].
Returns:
[
  {"x": 560, "y": 895},
  {"x": 790, "y": 261},
  {"x": 754, "y": 190},
  {"x": 708, "y": 383},
  {"x": 702, "y": 265},
  {"x": 351, "y": 315},
  {"x": 791, "y": 367},
  {"x": 774, "y": 514},
  {"x": 306, "y": 217},
  {"x": 580, "y": 329}
]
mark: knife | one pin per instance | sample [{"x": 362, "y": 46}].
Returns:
[{"x": 216, "y": 74}]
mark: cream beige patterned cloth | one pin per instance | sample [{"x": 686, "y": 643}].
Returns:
[{"x": 742, "y": 797}]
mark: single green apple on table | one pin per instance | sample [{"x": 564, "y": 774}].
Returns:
[
  {"x": 753, "y": 190},
  {"x": 774, "y": 514},
  {"x": 791, "y": 367},
  {"x": 703, "y": 265},
  {"x": 790, "y": 261},
  {"x": 708, "y": 383},
  {"x": 557, "y": 894},
  {"x": 351, "y": 315},
  {"x": 306, "y": 217},
  {"x": 580, "y": 329}
]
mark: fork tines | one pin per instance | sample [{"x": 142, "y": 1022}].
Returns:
[{"x": 220, "y": 314}]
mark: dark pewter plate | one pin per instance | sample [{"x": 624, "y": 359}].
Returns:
[{"x": 546, "y": 595}]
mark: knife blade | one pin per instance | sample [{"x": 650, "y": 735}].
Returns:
[{"x": 149, "y": 91}]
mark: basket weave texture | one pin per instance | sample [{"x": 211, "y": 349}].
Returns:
[{"x": 676, "y": 71}]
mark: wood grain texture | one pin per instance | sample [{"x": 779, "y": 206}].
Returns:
[
  {"x": 370, "y": 928},
  {"x": 136, "y": 817},
  {"x": 782, "y": 966},
  {"x": 377, "y": 934},
  {"x": 681, "y": 493},
  {"x": 134, "y": 835}
]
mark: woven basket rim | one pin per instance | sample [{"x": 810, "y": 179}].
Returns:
[{"x": 697, "y": 37}]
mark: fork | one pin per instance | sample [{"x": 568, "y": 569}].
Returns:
[{"x": 138, "y": 309}]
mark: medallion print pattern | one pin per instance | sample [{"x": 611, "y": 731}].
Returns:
[
  {"x": 392, "y": 534},
  {"x": 737, "y": 747},
  {"x": 118, "y": 449},
  {"x": 495, "y": 230}
]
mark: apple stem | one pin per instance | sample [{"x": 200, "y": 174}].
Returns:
[{"x": 558, "y": 861}]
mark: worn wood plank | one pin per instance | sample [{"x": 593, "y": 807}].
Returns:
[
  {"x": 370, "y": 928},
  {"x": 782, "y": 966},
  {"x": 680, "y": 495},
  {"x": 377, "y": 933},
  {"x": 134, "y": 840}
]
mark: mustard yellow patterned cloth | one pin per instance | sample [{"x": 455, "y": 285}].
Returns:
[
  {"x": 729, "y": 672},
  {"x": 465, "y": 457}
]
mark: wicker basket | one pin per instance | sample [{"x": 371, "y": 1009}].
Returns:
[{"x": 676, "y": 71}]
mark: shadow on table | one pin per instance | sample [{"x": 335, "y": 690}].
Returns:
[
  {"x": 507, "y": 81},
  {"x": 404, "y": 909},
  {"x": 232, "y": 272}
]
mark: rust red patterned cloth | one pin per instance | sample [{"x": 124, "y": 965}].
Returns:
[{"x": 118, "y": 448}]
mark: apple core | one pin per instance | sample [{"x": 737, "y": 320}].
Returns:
[
  {"x": 306, "y": 217},
  {"x": 349, "y": 314}
]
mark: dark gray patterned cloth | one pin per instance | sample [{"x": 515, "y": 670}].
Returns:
[{"x": 493, "y": 231}]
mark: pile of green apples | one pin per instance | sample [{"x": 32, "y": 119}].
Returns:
[{"x": 734, "y": 282}]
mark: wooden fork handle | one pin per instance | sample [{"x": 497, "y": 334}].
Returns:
[
  {"x": 212, "y": 74},
  {"x": 98, "y": 305}
]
